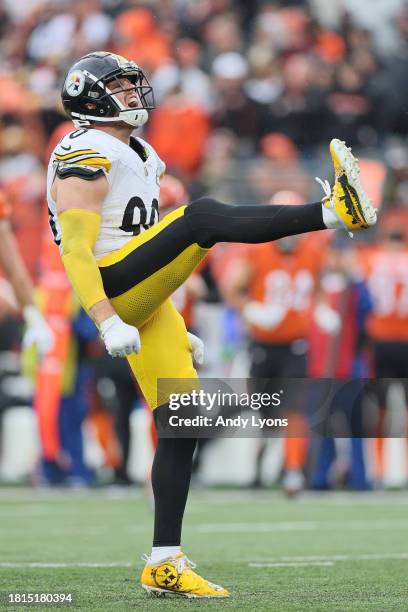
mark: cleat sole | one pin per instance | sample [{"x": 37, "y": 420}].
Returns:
[
  {"x": 158, "y": 592},
  {"x": 350, "y": 164}
]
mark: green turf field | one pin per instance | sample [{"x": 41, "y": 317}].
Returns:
[{"x": 319, "y": 552}]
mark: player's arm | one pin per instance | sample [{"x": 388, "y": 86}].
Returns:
[
  {"x": 37, "y": 331},
  {"x": 235, "y": 291},
  {"x": 235, "y": 285},
  {"x": 79, "y": 205},
  {"x": 14, "y": 267}
]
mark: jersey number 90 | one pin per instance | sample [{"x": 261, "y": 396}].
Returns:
[{"x": 128, "y": 224}]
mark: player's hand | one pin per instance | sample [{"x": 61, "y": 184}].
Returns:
[
  {"x": 327, "y": 319},
  {"x": 267, "y": 316},
  {"x": 37, "y": 331},
  {"x": 120, "y": 338},
  {"x": 197, "y": 348}
]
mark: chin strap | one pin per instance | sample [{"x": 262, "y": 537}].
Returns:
[{"x": 137, "y": 117}]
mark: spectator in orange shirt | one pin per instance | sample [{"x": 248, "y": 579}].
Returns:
[
  {"x": 272, "y": 285},
  {"x": 178, "y": 130},
  {"x": 386, "y": 270},
  {"x": 140, "y": 40}
]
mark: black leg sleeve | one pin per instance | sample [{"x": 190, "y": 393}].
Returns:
[
  {"x": 211, "y": 221},
  {"x": 171, "y": 473}
]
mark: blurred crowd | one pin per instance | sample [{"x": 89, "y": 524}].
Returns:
[{"x": 248, "y": 96}]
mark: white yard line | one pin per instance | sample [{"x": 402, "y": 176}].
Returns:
[
  {"x": 356, "y": 557},
  {"x": 62, "y": 496},
  {"x": 324, "y": 559},
  {"x": 263, "y": 527},
  {"x": 289, "y": 561},
  {"x": 41, "y": 565},
  {"x": 293, "y": 564},
  {"x": 28, "y": 532},
  {"x": 66, "y": 497},
  {"x": 232, "y": 528}
]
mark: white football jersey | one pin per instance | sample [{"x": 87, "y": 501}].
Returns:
[{"x": 133, "y": 173}]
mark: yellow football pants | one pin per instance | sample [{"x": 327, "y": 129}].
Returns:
[{"x": 165, "y": 349}]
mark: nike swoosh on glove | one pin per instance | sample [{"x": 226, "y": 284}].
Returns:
[
  {"x": 197, "y": 348},
  {"x": 120, "y": 338},
  {"x": 37, "y": 331}
]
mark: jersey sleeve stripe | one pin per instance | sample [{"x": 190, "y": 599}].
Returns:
[
  {"x": 65, "y": 156},
  {"x": 84, "y": 172},
  {"x": 100, "y": 162}
]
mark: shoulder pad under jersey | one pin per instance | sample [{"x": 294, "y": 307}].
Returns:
[{"x": 82, "y": 153}]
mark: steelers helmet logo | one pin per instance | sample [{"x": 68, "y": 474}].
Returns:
[
  {"x": 75, "y": 83},
  {"x": 166, "y": 576}
]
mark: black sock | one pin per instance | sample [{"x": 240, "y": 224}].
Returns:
[
  {"x": 171, "y": 473},
  {"x": 211, "y": 221}
]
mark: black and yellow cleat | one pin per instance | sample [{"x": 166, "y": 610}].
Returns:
[
  {"x": 175, "y": 576},
  {"x": 347, "y": 199}
]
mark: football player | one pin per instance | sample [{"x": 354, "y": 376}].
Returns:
[
  {"x": 124, "y": 264},
  {"x": 385, "y": 267},
  {"x": 272, "y": 286},
  {"x": 37, "y": 331}
]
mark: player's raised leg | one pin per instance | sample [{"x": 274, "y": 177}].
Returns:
[
  {"x": 345, "y": 206},
  {"x": 148, "y": 269}
]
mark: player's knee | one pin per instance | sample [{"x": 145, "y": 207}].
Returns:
[
  {"x": 204, "y": 217},
  {"x": 205, "y": 205}
]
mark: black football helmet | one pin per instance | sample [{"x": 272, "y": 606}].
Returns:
[{"x": 88, "y": 99}]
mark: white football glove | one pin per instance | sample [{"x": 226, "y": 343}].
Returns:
[
  {"x": 267, "y": 316},
  {"x": 327, "y": 319},
  {"x": 37, "y": 331},
  {"x": 120, "y": 338},
  {"x": 197, "y": 348}
]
